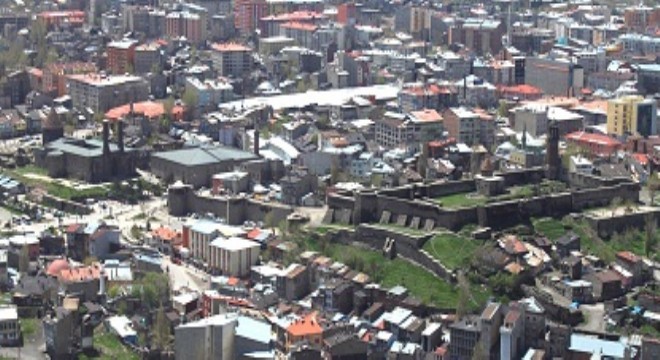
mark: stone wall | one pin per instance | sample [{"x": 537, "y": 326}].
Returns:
[
  {"x": 65, "y": 205},
  {"x": 183, "y": 201},
  {"x": 581, "y": 180},
  {"x": 369, "y": 207},
  {"x": 407, "y": 245},
  {"x": 608, "y": 225}
]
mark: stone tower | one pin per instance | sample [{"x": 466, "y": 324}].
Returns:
[{"x": 552, "y": 159}]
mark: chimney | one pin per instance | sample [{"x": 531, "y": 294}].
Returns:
[
  {"x": 256, "y": 141},
  {"x": 120, "y": 135},
  {"x": 106, "y": 137}
]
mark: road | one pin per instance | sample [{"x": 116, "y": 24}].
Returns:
[{"x": 184, "y": 276}]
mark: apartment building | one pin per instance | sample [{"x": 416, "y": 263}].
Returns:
[
  {"x": 10, "y": 329},
  {"x": 469, "y": 127},
  {"x": 186, "y": 24},
  {"x": 121, "y": 55},
  {"x": 231, "y": 59},
  {"x": 632, "y": 115},
  {"x": 233, "y": 256},
  {"x": 101, "y": 93},
  {"x": 54, "y": 75}
]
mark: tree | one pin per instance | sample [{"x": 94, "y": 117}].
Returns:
[
  {"x": 269, "y": 220},
  {"x": 479, "y": 352},
  {"x": 161, "y": 331},
  {"x": 463, "y": 295},
  {"x": 190, "y": 99},
  {"x": 650, "y": 241},
  {"x": 653, "y": 185},
  {"x": 114, "y": 291},
  {"x": 502, "y": 109}
]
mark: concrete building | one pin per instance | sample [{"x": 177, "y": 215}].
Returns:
[
  {"x": 272, "y": 45},
  {"x": 632, "y": 115},
  {"x": 512, "y": 333},
  {"x": 54, "y": 75},
  {"x": 535, "y": 119},
  {"x": 231, "y": 59},
  {"x": 473, "y": 91},
  {"x": 186, "y": 24},
  {"x": 196, "y": 166},
  {"x": 147, "y": 58},
  {"x": 409, "y": 130},
  {"x": 99, "y": 93},
  {"x": 558, "y": 77},
  {"x": 121, "y": 56},
  {"x": 211, "y": 338},
  {"x": 247, "y": 14},
  {"x": 210, "y": 93},
  {"x": 233, "y": 256},
  {"x": 10, "y": 329},
  {"x": 491, "y": 320},
  {"x": 469, "y": 127},
  {"x": 293, "y": 282},
  {"x": 483, "y": 36},
  {"x": 464, "y": 337}
]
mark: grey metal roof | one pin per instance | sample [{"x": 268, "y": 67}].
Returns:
[
  {"x": 204, "y": 155},
  {"x": 86, "y": 148}
]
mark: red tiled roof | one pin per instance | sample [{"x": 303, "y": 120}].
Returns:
[
  {"x": 299, "y": 26},
  {"x": 523, "y": 89},
  {"x": 309, "y": 325},
  {"x": 83, "y": 273},
  {"x": 581, "y": 136},
  {"x": 149, "y": 109},
  {"x": 427, "y": 115},
  {"x": 253, "y": 234},
  {"x": 628, "y": 256},
  {"x": 165, "y": 233},
  {"x": 228, "y": 47},
  {"x": 73, "y": 228}
]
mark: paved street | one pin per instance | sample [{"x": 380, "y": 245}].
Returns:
[{"x": 185, "y": 276}]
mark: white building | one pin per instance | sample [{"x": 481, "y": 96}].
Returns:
[
  {"x": 580, "y": 164},
  {"x": 210, "y": 338},
  {"x": 233, "y": 256},
  {"x": 10, "y": 330}
]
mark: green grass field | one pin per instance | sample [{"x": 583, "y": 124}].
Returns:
[
  {"x": 109, "y": 347},
  {"x": 461, "y": 200},
  {"x": 452, "y": 250},
  {"x": 423, "y": 285}
]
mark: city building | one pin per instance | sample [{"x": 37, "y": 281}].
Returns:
[
  {"x": 55, "y": 75},
  {"x": 233, "y": 256},
  {"x": 10, "y": 328},
  {"x": 121, "y": 56},
  {"x": 98, "y": 93},
  {"x": 209, "y": 338},
  {"x": 632, "y": 115},
  {"x": 148, "y": 58},
  {"x": 557, "y": 77},
  {"x": 196, "y": 166},
  {"x": 469, "y": 127},
  {"x": 191, "y": 26},
  {"x": 464, "y": 336},
  {"x": 210, "y": 93},
  {"x": 594, "y": 145},
  {"x": 247, "y": 14},
  {"x": 62, "y": 19},
  {"x": 231, "y": 59}
]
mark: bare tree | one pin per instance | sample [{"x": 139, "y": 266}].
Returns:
[
  {"x": 161, "y": 330},
  {"x": 463, "y": 295},
  {"x": 650, "y": 240}
]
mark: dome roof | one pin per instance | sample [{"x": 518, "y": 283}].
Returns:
[{"x": 57, "y": 266}]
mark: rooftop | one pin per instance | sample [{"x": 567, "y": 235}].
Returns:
[{"x": 204, "y": 155}]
